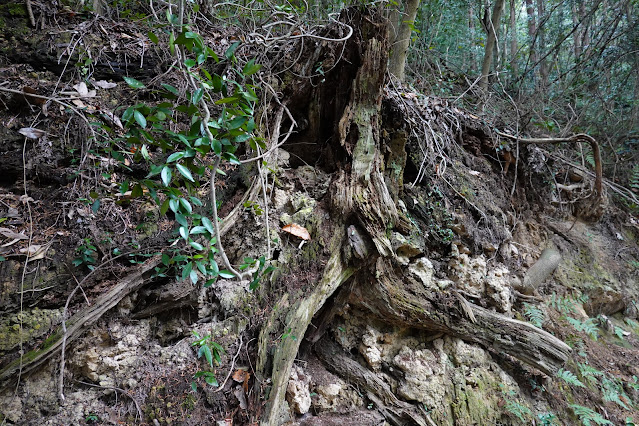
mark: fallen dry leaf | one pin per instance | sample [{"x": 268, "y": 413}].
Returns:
[
  {"x": 83, "y": 90},
  {"x": 298, "y": 231},
  {"x": 239, "y": 376},
  {"x": 32, "y": 132},
  {"x": 10, "y": 234},
  {"x": 103, "y": 84},
  {"x": 114, "y": 118}
]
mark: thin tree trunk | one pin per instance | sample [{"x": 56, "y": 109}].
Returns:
[
  {"x": 472, "y": 30},
  {"x": 491, "y": 30},
  {"x": 532, "y": 32},
  {"x": 399, "y": 49},
  {"x": 577, "y": 34},
  {"x": 541, "y": 36},
  {"x": 513, "y": 40}
]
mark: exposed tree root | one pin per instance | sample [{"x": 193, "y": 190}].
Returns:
[
  {"x": 298, "y": 318},
  {"x": 592, "y": 208},
  {"x": 395, "y": 411},
  {"x": 81, "y": 321}
]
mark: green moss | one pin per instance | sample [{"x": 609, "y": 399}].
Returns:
[{"x": 25, "y": 326}]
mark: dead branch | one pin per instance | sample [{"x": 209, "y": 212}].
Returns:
[
  {"x": 581, "y": 137},
  {"x": 81, "y": 321}
]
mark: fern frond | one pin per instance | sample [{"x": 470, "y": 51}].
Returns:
[
  {"x": 632, "y": 323},
  {"x": 569, "y": 378},
  {"x": 589, "y": 326},
  {"x": 620, "y": 332},
  {"x": 518, "y": 410},
  {"x": 613, "y": 391},
  {"x": 534, "y": 315},
  {"x": 588, "y": 415},
  {"x": 589, "y": 372}
]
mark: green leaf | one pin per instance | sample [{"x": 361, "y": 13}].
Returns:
[
  {"x": 166, "y": 175},
  {"x": 206, "y": 351},
  {"x": 197, "y": 96},
  {"x": 197, "y": 246},
  {"x": 175, "y": 156},
  {"x": 201, "y": 267},
  {"x": 185, "y": 172},
  {"x": 137, "y": 191},
  {"x": 171, "y": 39},
  {"x": 145, "y": 152},
  {"x": 217, "y": 146},
  {"x": 237, "y": 122},
  {"x": 128, "y": 114},
  {"x": 171, "y": 89},
  {"x": 251, "y": 68},
  {"x": 198, "y": 230},
  {"x": 217, "y": 82},
  {"x": 190, "y": 63},
  {"x": 215, "y": 268},
  {"x": 187, "y": 206},
  {"x": 184, "y": 233},
  {"x": 211, "y": 380},
  {"x": 226, "y": 100},
  {"x": 165, "y": 207},
  {"x": 226, "y": 274},
  {"x": 134, "y": 83},
  {"x": 208, "y": 225},
  {"x": 139, "y": 117},
  {"x": 95, "y": 206},
  {"x": 187, "y": 271},
  {"x": 154, "y": 39},
  {"x": 181, "y": 219},
  {"x": 193, "y": 276},
  {"x": 231, "y": 50},
  {"x": 174, "y": 205}
]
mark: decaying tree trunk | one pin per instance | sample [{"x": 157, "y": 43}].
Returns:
[{"x": 365, "y": 215}]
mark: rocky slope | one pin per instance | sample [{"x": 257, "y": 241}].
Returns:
[{"x": 410, "y": 303}]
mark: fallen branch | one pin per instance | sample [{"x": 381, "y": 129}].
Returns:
[
  {"x": 81, "y": 321},
  {"x": 541, "y": 270}
]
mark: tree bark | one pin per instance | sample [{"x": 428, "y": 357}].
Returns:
[
  {"x": 541, "y": 36},
  {"x": 491, "y": 38},
  {"x": 399, "y": 48},
  {"x": 513, "y": 41},
  {"x": 364, "y": 216}
]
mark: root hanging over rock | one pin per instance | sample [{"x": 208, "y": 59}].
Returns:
[{"x": 362, "y": 202}]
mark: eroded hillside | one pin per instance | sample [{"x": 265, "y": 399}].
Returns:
[{"x": 412, "y": 300}]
